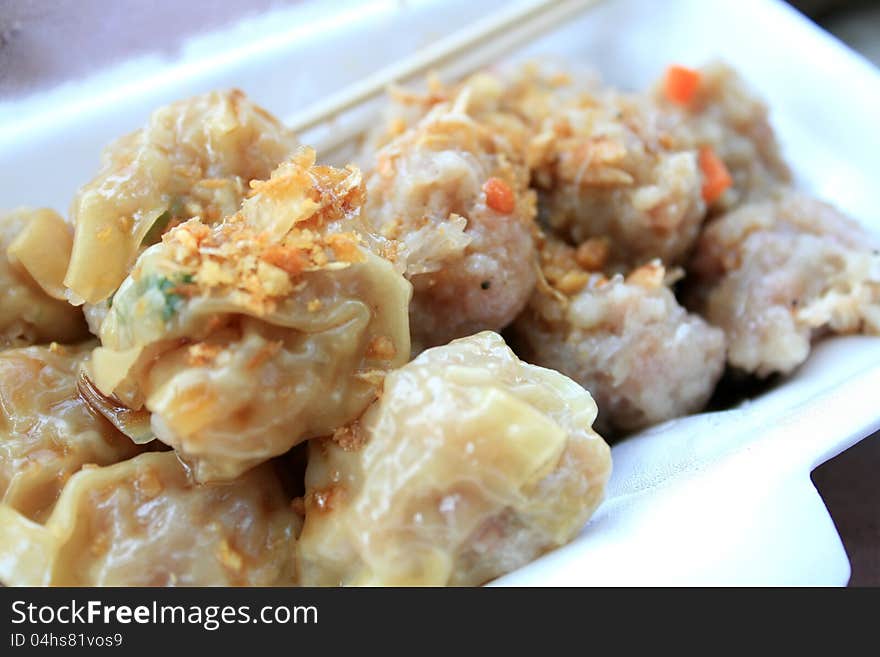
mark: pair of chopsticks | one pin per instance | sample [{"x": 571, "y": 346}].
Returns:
[{"x": 468, "y": 49}]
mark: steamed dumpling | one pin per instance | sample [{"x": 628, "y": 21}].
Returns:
[
  {"x": 245, "y": 338},
  {"x": 470, "y": 465}
]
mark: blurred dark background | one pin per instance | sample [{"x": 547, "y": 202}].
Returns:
[{"x": 44, "y": 42}]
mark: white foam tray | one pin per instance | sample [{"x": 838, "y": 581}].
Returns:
[{"x": 721, "y": 498}]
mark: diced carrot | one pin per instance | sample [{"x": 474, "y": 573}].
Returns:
[
  {"x": 716, "y": 177},
  {"x": 681, "y": 84},
  {"x": 499, "y": 196}
]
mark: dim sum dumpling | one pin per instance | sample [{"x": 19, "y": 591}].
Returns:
[
  {"x": 453, "y": 190},
  {"x": 606, "y": 166},
  {"x": 727, "y": 116},
  {"x": 470, "y": 465},
  {"x": 250, "y": 336},
  {"x": 774, "y": 274},
  {"x": 47, "y": 431},
  {"x": 194, "y": 158},
  {"x": 642, "y": 356},
  {"x": 142, "y": 522},
  {"x": 34, "y": 250}
]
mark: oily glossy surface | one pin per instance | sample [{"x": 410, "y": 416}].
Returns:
[
  {"x": 194, "y": 158},
  {"x": 33, "y": 244},
  {"x": 470, "y": 465},
  {"x": 144, "y": 523},
  {"x": 250, "y": 336},
  {"x": 47, "y": 432}
]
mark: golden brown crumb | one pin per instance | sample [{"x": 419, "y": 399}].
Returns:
[
  {"x": 325, "y": 499},
  {"x": 229, "y": 557},
  {"x": 650, "y": 275},
  {"x": 345, "y": 247},
  {"x": 592, "y": 255},
  {"x": 572, "y": 282},
  {"x": 381, "y": 348},
  {"x": 148, "y": 484},
  {"x": 258, "y": 268},
  {"x": 560, "y": 267},
  {"x": 201, "y": 354},
  {"x": 350, "y": 437},
  {"x": 287, "y": 257}
]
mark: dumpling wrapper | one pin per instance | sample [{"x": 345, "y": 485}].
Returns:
[
  {"x": 34, "y": 250},
  {"x": 470, "y": 465},
  {"x": 245, "y": 338},
  {"x": 47, "y": 431},
  {"x": 195, "y": 157},
  {"x": 144, "y": 523}
]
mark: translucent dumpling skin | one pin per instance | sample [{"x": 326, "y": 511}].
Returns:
[
  {"x": 47, "y": 431},
  {"x": 470, "y": 465},
  {"x": 774, "y": 274},
  {"x": 194, "y": 158},
  {"x": 144, "y": 523},
  {"x": 34, "y": 250},
  {"x": 246, "y": 337}
]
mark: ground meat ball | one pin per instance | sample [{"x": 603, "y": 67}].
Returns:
[
  {"x": 246, "y": 337},
  {"x": 606, "y": 165},
  {"x": 194, "y": 158},
  {"x": 641, "y": 356},
  {"x": 774, "y": 274},
  {"x": 453, "y": 190},
  {"x": 33, "y": 243},
  {"x": 725, "y": 115},
  {"x": 47, "y": 431},
  {"x": 143, "y": 522},
  {"x": 471, "y": 465}
]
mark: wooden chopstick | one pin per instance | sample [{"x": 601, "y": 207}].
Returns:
[{"x": 479, "y": 44}]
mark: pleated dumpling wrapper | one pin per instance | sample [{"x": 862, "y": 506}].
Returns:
[
  {"x": 143, "y": 522},
  {"x": 194, "y": 158},
  {"x": 47, "y": 431},
  {"x": 470, "y": 465},
  {"x": 34, "y": 249},
  {"x": 247, "y": 337}
]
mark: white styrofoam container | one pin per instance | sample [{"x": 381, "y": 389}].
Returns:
[{"x": 721, "y": 498}]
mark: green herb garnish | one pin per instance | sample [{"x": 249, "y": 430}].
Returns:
[{"x": 172, "y": 299}]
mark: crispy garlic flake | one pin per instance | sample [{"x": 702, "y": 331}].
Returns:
[
  {"x": 246, "y": 337},
  {"x": 194, "y": 158}
]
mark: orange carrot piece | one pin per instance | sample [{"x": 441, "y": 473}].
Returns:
[
  {"x": 681, "y": 84},
  {"x": 499, "y": 196},
  {"x": 716, "y": 177}
]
